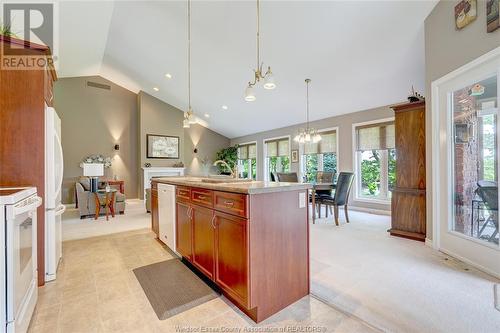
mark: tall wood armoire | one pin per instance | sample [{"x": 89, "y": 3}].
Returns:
[{"x": 408, "y": 196}]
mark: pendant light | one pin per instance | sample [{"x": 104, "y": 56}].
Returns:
[
  {"x": 259, "y": 75},
  {"x": 308, "y": 134},
  {"x": 189, "y": 117}
]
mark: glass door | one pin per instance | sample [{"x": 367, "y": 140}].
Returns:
[{"x": 469, "y": 168}]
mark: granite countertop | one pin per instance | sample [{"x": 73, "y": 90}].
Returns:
[{"x": 243, "y": 186}]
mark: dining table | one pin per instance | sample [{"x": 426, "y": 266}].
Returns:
[{"x": 318, "y": 187}]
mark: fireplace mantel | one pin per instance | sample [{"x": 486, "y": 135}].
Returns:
[{"x": 151, "y": 172}]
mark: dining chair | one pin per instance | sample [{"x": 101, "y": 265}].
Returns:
[
  {"x": 323, "y": 177},
  {"x": 341, "y": 196},
  {"x": 489, "y": 196},
  {"x": 287, "y": 177}
]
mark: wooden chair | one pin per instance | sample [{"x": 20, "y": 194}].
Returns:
[
  {"x": 287, "y": 177},
  {"x": 341, "y": 196}
]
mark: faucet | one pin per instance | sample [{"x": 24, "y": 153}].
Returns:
[{"x": 234, "y": 174}]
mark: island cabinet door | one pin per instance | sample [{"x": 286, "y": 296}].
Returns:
[
  {"x": 231, "y": 273},
  {"x": 154, "y": 212},
  {"x": 203, "y": 240},
  {"x": 184, "y": 230}
]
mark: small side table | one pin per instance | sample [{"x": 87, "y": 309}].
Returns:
[
  {"x": 105, "y": 199},
  {"x": 119, "y": 183}
]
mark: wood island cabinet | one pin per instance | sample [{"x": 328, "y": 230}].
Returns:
[
  {"x": 184, "y": 230},
  {"x": 155, "y": 223},
  {"x": 254, "y": 247},
  {"x": 203, "y": 239}
]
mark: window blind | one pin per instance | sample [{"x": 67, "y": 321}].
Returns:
[
  {"x": 328, "y": 144},
  {"x": 247, "y": 151},
  {"x": 375, "y": 137},
  {"x": 277, "y": 148}
]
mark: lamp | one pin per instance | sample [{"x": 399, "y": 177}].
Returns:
[
  {"x": 93, "y": 171},
  {"x": 259, "y": 74},
  {"x": 308, "y": 134},
  {"x": 189, "y": 118}
]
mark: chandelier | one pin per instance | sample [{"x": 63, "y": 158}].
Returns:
[
  {"x": 189, "y": 117},
  {"x": 308, "y": 134},
  {"x": 259, "y": 74}
]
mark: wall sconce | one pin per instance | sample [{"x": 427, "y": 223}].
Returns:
[
  {"x": 117, "y": 147},
  {"x": 195, "y": 150}
]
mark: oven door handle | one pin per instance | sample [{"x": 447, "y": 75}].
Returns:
[{"x": 18, "y": 210}]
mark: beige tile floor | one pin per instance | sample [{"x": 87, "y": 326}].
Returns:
[{"x": 96, "y": 291}]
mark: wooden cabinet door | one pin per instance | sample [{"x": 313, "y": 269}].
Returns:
[
  {"x": 231, "y": 250},
  {"x": 155, "y": 221},
  {"x": 203, "y": 240},
  {"x": 184, "y": 230}
]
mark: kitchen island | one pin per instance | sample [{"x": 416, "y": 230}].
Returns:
[{"x": 250, "y": 238}]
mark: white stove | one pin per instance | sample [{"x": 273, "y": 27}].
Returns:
[{"x": 18, "y": 281}]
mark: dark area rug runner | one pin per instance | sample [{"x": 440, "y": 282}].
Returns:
[{"x": 172, "y": 288}]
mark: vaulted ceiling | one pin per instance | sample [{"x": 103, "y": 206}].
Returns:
[{"x": 359, "y": 54}]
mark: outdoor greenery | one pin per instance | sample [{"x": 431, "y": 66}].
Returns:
[
  {"x": 370, "y": 171},
  {"x": 230, "y": 155},
  {"x": 6, "y": 30},
  {"x": 244, "y": 168},
  {"x": 488, "y": 143},
  {"x": 279, "y": 164},
  {"x": 311, "y": 165}
]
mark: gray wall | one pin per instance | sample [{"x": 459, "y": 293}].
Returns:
[
  {"x": 93, "y": 121},
  {"x": 158, "y": 117},
  {"x": 344, "y": 137},
  {"x": 447, "y": 49}
]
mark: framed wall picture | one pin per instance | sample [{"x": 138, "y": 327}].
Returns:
[
  {"x": 465, "y": 13},
  {"x": 492, "y": 15},
  {"x": 295, "y": 156},
  {"x": 162, "y": 146}
]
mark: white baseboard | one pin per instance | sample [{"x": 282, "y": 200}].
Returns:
[
  {"x": 428, "y": 242},
  {"x": 370, "y": 210},
  {"x": 471, "y": 263}
]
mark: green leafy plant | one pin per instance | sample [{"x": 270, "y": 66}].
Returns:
[
  {"x": 6, "y": 30},
  {"x": 230, "y": 156}
]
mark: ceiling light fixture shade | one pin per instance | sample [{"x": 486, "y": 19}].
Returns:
[
  {"x": 249, "y": 94},
  {"x": 259, "y": 74},
  {"x": 269, "y": 82},
  {"x": 185, "y": 123},
  {"x": 308, "y": 134}
]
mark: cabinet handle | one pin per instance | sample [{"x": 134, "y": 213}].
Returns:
[
  {"x": 190, "y": 213},
  {"x": 229, "y": 203},
  {"x": 213, "y": 222},
  {"x": 202, "y": 197}
]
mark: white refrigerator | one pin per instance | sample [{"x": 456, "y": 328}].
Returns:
[{"x": 54, "y": 168}]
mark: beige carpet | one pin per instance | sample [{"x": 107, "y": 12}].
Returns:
[
  {"x": 395, "y": 284},
  {"x": 135, "y": 218}
]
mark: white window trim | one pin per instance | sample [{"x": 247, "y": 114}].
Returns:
[
  {"x": 357, "y": 172},
  {"x": 302, "y": 171},
  {"x": 264, "y": 156},
  {"x": 256, "y": 156}
]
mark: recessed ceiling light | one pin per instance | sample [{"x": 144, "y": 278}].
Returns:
[
  {"x": 224, "y": 107},
  {"x": 207, "y": 115},
  {"x": 168, "y": 76},
  {"x": 156, "y": 89}
]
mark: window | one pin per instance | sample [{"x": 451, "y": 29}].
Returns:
[
  {"x": 277, "y": 157},
  {"x": 487, "y": 161},
  {"x": 375, "y": 161},
  {"x": 247, "y": 161},
  {"x": 321, "y": 156}
]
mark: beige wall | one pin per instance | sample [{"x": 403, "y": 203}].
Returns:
[
  {"x": 93, "y": 121},
  {"x": 158, "y": 117},
  {"x": 208, "y": 143},
  {"x": 447, "y": 49},
  {"x": 345, "y": 153}
]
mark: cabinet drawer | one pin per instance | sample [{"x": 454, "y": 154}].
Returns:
[
  {"x": 231, "y": 203},
  {"x": 202, "y": 197},
  {"x": 183, "y": 193}
]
